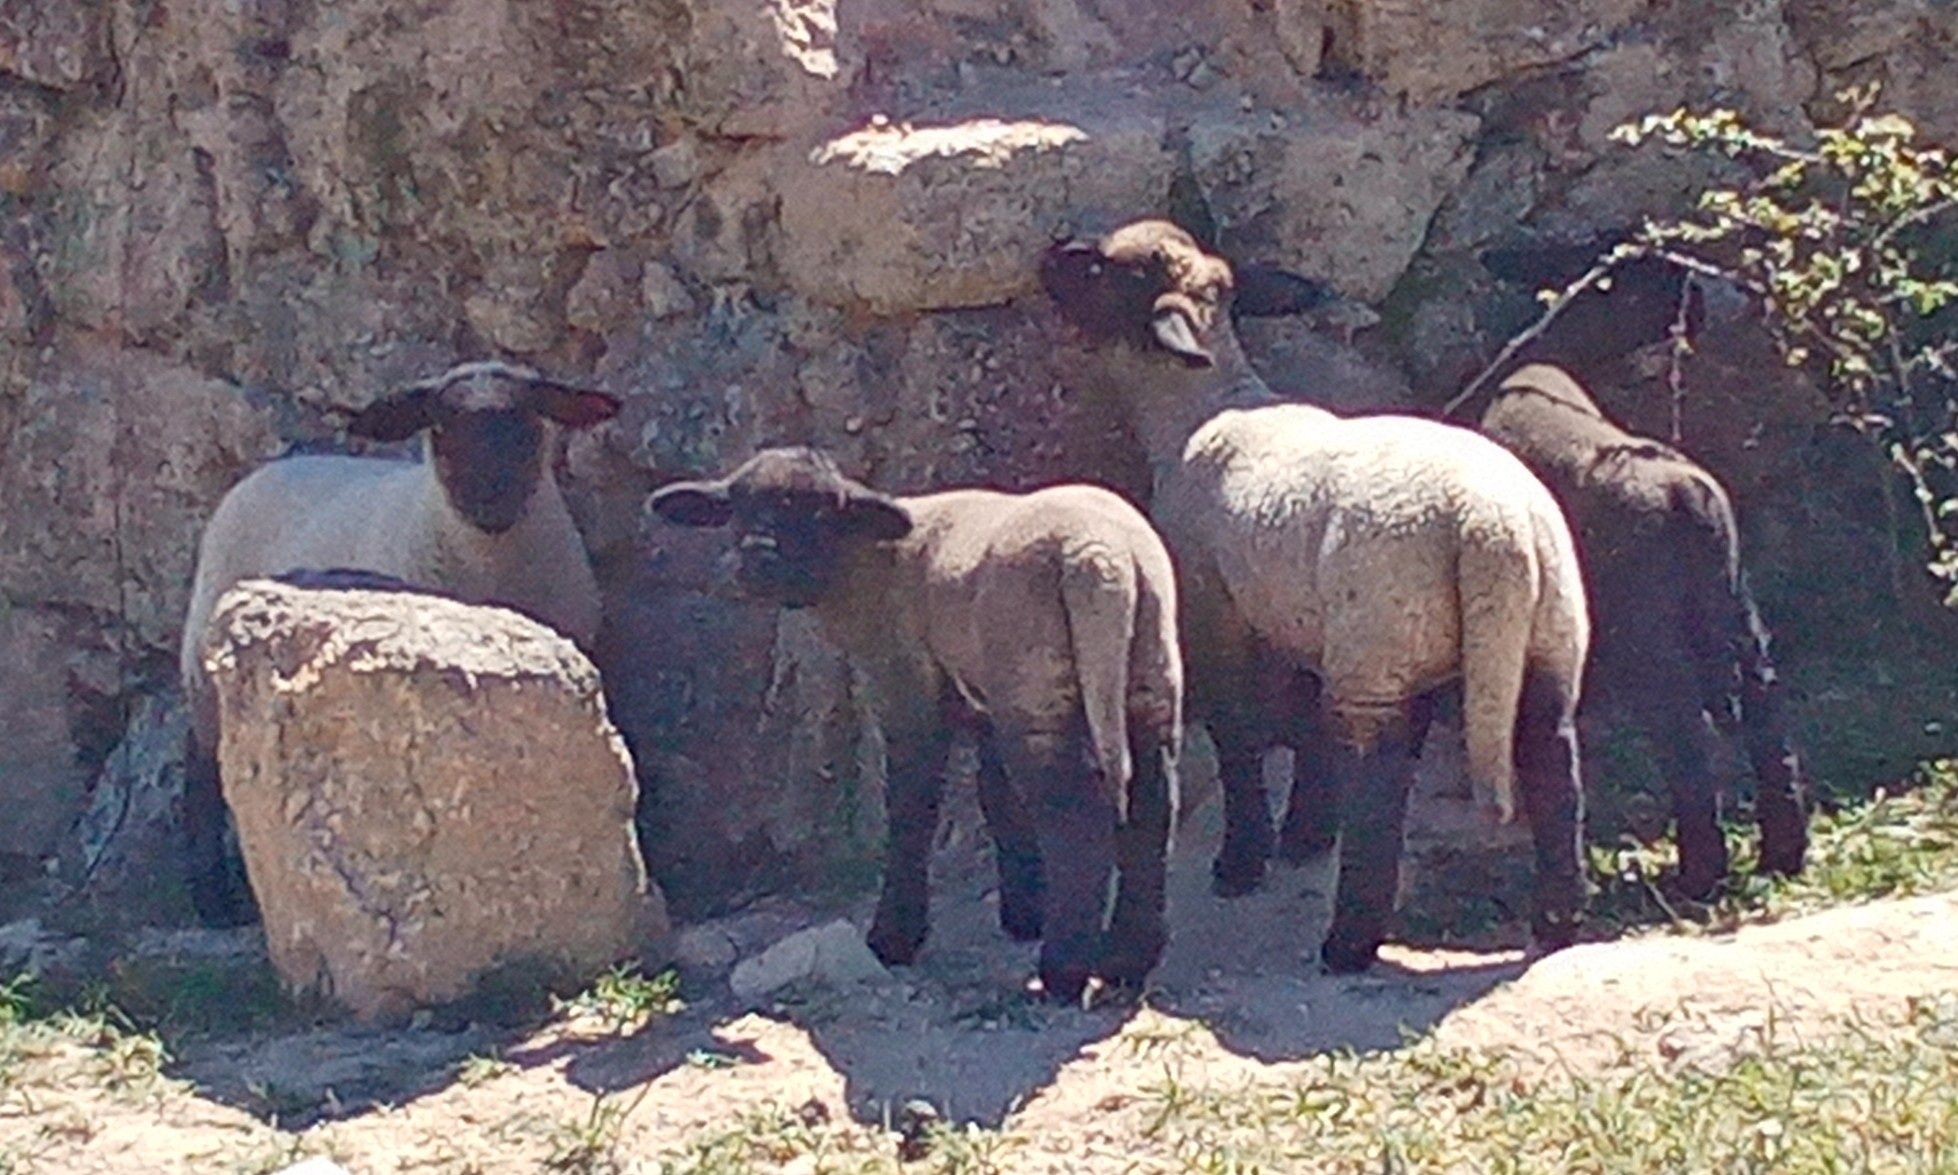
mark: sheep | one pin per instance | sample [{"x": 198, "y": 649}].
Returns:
[
  {"x": 1337, "y": 571},
  {"x": 1042, "y": 623},
  {"x": 1678, "y": 635},
  {"x": 479, "y": 517}
]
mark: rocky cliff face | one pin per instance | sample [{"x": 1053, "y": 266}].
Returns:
[{"x": 763, "y": 220}]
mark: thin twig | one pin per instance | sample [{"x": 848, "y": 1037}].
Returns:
[
  {"x": 1596, "y": 274},
  {"x": 1682, "y": 346},
  {"x": 1914, "y": 217}
]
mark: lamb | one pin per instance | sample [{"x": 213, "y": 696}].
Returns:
[
  {"x": 479, "y": 518},
  {"x": 1678, "y": 634},
  {"x": 1336, "y": 572},
  {"x": 1042, "y": 623}
]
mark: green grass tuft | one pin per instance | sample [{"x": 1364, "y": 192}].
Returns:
[
  {"x": 624, "y": 998},
  {"x": 1877, "y": 1098},
  {"x": 1893, "y": 845}
]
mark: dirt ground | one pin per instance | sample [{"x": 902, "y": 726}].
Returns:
[{"x": 1238, "y": 997}]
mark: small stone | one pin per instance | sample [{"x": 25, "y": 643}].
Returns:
[
  {"x": 707, "y": 948},
  {"x": 663, "y": 294},
  {"x": 832, "y": 954},
  {"x": 675, "y": 165}
]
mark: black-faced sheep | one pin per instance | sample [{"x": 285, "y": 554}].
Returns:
[
  {"x": 1045, "y": 623},
  {"x": 479, "y": 518},
  {"x": 1384, "y": 556},
  {"x": 1678, "y": 635}
]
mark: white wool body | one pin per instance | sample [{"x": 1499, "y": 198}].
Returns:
[{"x": 1389, "y": 554}]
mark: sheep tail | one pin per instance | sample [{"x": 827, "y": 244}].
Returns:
[
  {"x": 1098, "y": 589},
  {"x": 1499, "y": 592}
]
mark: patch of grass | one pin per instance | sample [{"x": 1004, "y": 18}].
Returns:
[
  {"x": 200, "y": 996},
  {"x": 772, "y": 1137},
  {"x": 623, "y": 998},
  {"x": 17, "y": 999},
  {"x": 278, "y": 1104},
  {"x": 479, "y": 1069},
  {"x": 1892, "y": 845},
  {"x": 1875, "y": 1099},
  {"x": 589, "y": 1145}
]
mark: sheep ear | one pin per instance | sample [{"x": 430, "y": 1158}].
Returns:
[
  {"x": 693, "y": 503},
  {"x": 1266, "y": 291},
  {"x": 876, "y": 517},
  {"x": 1171, "y": 329},
  {"x": 574, "y": 407},
  {"x": 395, "y": 417}
]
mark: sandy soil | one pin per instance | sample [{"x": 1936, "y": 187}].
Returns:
[{"x": 1238, "y": 997}]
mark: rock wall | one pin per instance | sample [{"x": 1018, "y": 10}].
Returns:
[{"x": 762, "y": 220}]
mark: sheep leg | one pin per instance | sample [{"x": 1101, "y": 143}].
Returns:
[
  {"x": 1312, "y": 814},
  {"x": 1672, "y": 716},
  {"x": 1374, "y": 784},
  {"x": 217, "y": 888},
  {"x": 1548, "y": 775},
  {"x": 1076, "y": 819},
  {"x": 1016, "y": 848},
  {"x": 1778, "y": 803},
  {"x": 1137, "y": 931},
  {"x": 1240, "y": 865},
  {"x": 915, "y": 782}
]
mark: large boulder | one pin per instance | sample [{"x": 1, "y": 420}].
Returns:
[
  {"x": 953, "y": 212},
  {"x": 1434, "y": 52},
  {"x": 1331, "y": 189},
  {"x": 426, "y": 793}
]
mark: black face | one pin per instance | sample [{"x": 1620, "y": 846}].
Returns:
[
  {"x": 789, "y": 545},
  {"x": 797, "y": 522},
  {"x": 487, "y": 432},
  {"x": 1107, "y": 299},
  {"x": 489, "y": 461}
]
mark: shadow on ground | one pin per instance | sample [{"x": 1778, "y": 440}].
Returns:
[{"x": 957, "y": 1028}]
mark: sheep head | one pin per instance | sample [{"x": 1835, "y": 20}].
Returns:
[
  {"x": 1149, "y": 286},
  {"x": 1553, "y": 384},
  {"x": 797, "y": 521},
  {"x": 487, "y": 432}
]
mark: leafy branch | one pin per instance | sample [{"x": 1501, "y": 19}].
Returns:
[{"x": 1838, "y": 244}]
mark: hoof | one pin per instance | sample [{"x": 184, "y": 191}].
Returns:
[
  {"x": 1554, "y": 933},
  {"x": 1063, "y": 984},
  {"x": 1784, "y": 860},
  {"x": 893, "y": 948},
  {"x": 1234, "y": 881},
  {"x": 1344, "y": 957},
  {"x": 1701, "y": 885}
]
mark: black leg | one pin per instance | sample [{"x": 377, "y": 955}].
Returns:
[
  {"x": 1016, "y": 848},
  {"x": 1779, "y": 805},
  {"x": 916, "y": 780},
  {"x": 215, "y": 879},
  {"x": 1550, "y": 779},
  {"x": 1137, "y": 932},
  {"x": 1240, "y": 865},
  {"x": 1312, "y": 814},
  {"x": 1373, "y": 814},
  {"x": 1676, "y": 726},
  {"x": 1075, "y": 816}
]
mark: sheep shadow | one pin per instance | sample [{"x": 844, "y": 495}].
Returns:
[{"x": 959, "y": 1030}]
